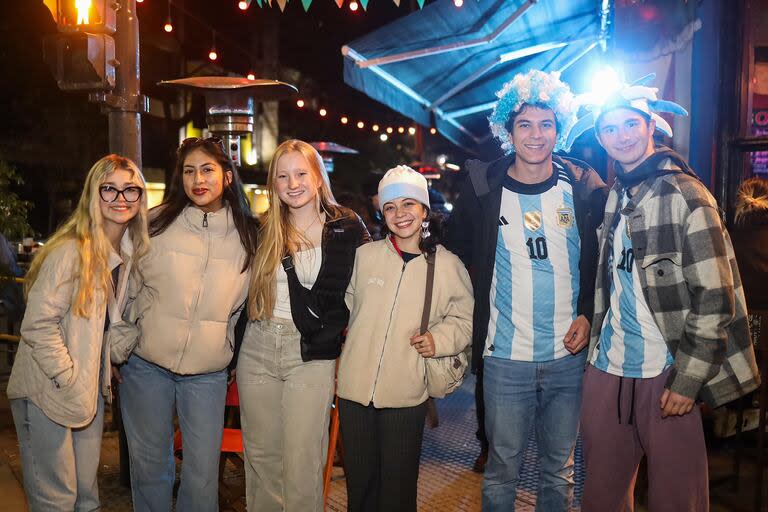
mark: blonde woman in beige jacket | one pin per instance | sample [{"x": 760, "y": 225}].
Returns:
[
  {"x": 61, "y": 374},
  {"x": 381, "y": 381}
]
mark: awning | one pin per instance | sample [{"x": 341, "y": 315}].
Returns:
[{"x": 442, "y": 65}]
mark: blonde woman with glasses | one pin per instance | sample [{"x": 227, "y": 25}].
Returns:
[
  {"x": 61, "y": 375},
  {"x": 285, "y": 372}
]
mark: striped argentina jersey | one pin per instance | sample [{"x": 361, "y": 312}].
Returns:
[
  {"x": 631, "y": 344},
  {"x": 535, "y": 283}
]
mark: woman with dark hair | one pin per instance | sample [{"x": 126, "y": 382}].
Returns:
[
  {"x": 750, "y": 240},
  {"x": 177, "y": 339},
  {"x": 382, "y": 373}
]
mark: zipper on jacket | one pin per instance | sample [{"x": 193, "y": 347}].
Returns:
[
  {"x": 194, "y": 311},
  {"x": 386, "y": 335}
]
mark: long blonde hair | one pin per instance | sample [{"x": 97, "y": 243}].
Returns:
[
  {"x": 277, "y": 236},
  {"x": 85, "y": 227},
  {"x": 752, "y": 198}
]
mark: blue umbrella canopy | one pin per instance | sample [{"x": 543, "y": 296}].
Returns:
[{"x": 442, "y": 66}]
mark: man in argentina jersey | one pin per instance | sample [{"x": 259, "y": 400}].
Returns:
[
  {"x": 669, "y": 319},
  {"x": 631, "y": 344},
  {"x": 537, "y": 263},
  {"x": 525, "y": 227}
]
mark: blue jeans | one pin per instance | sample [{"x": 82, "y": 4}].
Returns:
[
  {"x": 148, "y": 396},
  {"x": 519, "y": 394},
  {"x": 59, "y": 463}
]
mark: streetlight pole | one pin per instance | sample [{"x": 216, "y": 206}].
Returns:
[{"x": 125, "y": 103}]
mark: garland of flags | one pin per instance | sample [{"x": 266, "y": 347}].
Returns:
[{"x": 244, "y": 4}]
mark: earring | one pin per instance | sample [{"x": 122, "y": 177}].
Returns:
[{"x": 425, "y": 229}]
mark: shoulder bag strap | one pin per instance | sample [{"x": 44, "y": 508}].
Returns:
[{"x": 428, "y": 293}]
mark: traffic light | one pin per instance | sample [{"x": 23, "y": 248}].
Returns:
[
  {"x": 97, "y": 16},
  {"x": 81, "y": 61},
  {"x": 82, "y": 55}
]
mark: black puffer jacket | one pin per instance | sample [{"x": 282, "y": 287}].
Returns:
[{"x": 341, "y": 238}]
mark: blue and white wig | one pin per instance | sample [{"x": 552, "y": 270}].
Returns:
[
  {"x": 535, "y": 88},
  {"x": 636, "y": 96}
]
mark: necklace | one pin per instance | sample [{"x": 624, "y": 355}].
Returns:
[{"x": 304, "y": 230}]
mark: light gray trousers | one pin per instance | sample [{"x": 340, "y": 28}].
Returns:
[
  {"x": 59, "y": 463},
  {"x": 284, "y": 410}
]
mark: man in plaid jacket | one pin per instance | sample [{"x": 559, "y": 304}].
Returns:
[{"x": 670, "y": 320}]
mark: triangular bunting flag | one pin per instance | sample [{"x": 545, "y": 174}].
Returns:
[
  {"x": 269, "y": 2},
  {"x": 397, "y": 2},
  {"x": 281, "y": 4},
  {"x": 259, "y": 2},
  {"x": 339, "y": 3},
  {"x": 421, "y": 3},
  {"x": 364, "y": 3},
  {"x": 306, "y": 4}
]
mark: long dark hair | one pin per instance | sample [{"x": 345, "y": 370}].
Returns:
[{"x": 176, "y": 199}]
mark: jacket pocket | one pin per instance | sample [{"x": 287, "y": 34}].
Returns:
[
  {"x": 650, "y": 259},
  {"x": 663, "y": 269},
  {"x": 122, "y": 339}
]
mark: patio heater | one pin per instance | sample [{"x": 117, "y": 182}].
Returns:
[
  {"x": 328, "y": 149},
  {"x": 229, "y": 103}
]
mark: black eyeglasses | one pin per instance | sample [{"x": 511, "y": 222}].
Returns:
[{"x": 110, "y": 194}]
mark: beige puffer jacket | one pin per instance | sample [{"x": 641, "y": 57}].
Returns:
[
  {"x": 386, "y": 297},
  {"x": 182, "y": 316},
  {"x": 61, "y": 355}
]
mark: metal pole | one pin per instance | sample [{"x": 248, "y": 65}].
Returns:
[
  {"x": 126, "y": 103},
  {"x": 124, "y": 106}
]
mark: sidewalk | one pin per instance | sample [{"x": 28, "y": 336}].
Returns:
[{"x": 446, "y": 482}]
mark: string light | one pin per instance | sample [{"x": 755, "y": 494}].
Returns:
[
  {"x": 139, "y": 1},
  {"x": 168, "y": 23},
  {"x": 353, "y": 6},
  {"x": 213, "y": 55},
  {"x": 300, "y": 103},
  {"x": 433, "y": 131},
  {"x": 389, "y": 129},
  {"x": 322, "y": 112},
  {"x": 360, "y": 125},
  {"x": 375, "y": 127},
  {"x": 383, "y": 137},
  {"x": 344, "y": 120},
  {"x": 251, "y": 76},
  {"x": 411, "y": 130},
  {"x": 401, "y": 130},
  {"x": 244, "y": 4},
  {"x": 458, "y": 3}
]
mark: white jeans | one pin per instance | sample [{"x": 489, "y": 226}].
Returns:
[
  {"x": 284, "y": 410},
  {"x": 59, "y": 463}
]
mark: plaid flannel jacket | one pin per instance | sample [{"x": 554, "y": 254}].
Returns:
[{"x": 690, "y": 282}]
